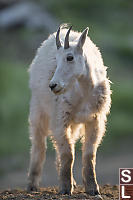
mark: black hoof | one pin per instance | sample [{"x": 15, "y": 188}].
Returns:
[
  {"x": 93, "y": 192},
  {"x": 32, "y": 188},
  {"x": 65, "y": 191}
]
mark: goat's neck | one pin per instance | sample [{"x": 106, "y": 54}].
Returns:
[{"x": 86, "y": 83}]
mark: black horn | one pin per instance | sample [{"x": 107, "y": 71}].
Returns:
[
  {"x": 58, "y": 43},
  {"x": 66, "y": 44}
]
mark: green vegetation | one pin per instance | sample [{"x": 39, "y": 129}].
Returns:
[
  {"x": 109, "y": 29},
  {"x": 14, "y": 103}
]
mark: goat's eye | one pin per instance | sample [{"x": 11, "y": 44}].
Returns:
[{"x": 69, "y": 58}]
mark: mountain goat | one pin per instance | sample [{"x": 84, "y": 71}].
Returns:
[{"x": 70, "y": 99}]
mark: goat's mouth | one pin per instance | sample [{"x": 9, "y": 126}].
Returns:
[
  {"x": 59, "y": 91},
  {"x": 56, "y": 88}
]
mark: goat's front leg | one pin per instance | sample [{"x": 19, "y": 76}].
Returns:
[
  {"x": 65, "y": 160},
  {"x": 93, "y": 134}
]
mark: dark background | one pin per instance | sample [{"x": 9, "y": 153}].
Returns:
[{"x": 23, "y": 27}]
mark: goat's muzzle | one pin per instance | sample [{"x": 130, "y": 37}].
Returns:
[
  {"x": 55, "y": 88},
  {"x": 52, "y": 86}
]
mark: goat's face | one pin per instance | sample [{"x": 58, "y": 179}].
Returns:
[{"x": 70, "y": 63}]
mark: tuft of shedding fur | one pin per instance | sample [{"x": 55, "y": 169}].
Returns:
[{"x": 79, "y": 111}]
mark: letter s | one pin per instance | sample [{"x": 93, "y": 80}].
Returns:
[{"x": 125, "y": 173}]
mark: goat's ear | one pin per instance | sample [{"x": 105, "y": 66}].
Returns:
[{"x": 82, "y": 39}]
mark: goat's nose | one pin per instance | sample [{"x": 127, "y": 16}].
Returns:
[{"x": 52, "y": 86}]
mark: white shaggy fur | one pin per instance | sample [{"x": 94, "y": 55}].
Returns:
[{"x": 78, "y": 110}]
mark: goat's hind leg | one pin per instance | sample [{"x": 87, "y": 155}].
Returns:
[
  {"x": 38, "y": 139},
  {"x": 94, "y": 131}
]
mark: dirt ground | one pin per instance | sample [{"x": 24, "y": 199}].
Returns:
[
  {"x": 13, "y": 176},
  {"x": 108, "y": 192}
]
